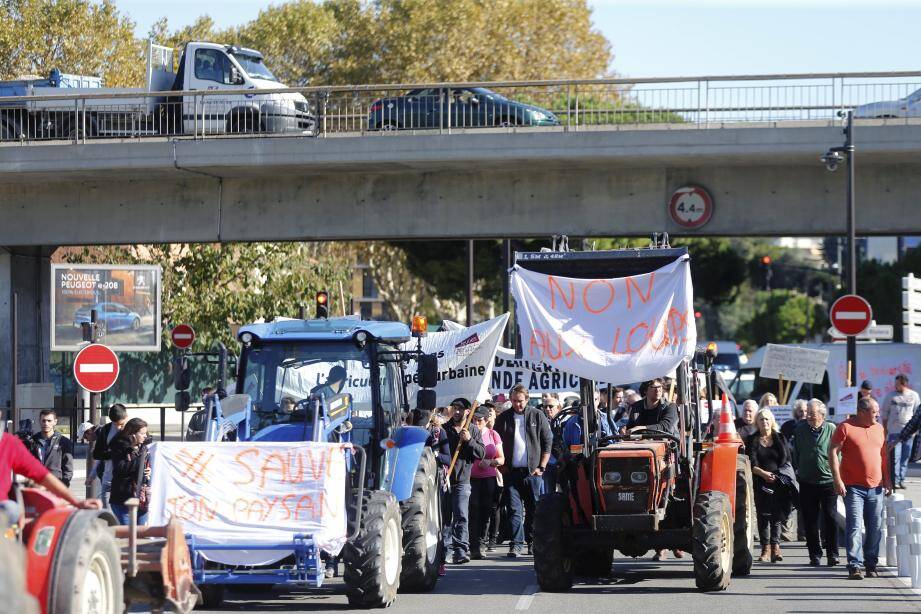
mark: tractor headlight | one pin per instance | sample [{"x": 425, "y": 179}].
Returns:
[
  {"x": 611, "y": 477},
  {"x": 246, "y": 338},
  {"x": 638, "y": 477}
]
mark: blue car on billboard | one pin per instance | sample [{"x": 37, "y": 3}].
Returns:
[
  {"x": 474, "y": 107},
  {"x": 109, "y": 316}
]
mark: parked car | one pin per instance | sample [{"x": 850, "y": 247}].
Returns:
[
  {"x": 910, "y": 106},
  {"x": 109, "y": 316},
  {"x": 474, "y": 107}
]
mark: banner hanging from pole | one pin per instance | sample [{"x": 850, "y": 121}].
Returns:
[{"x": 624, "y": 329}]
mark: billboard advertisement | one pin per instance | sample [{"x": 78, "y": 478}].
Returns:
[{"x": 126, "y": 298}]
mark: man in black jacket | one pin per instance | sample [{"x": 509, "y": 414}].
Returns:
[
  {"x": 55, "y": 451},
  {"x": 654, "y": 412},
  {"x": 118, "y": 416},
  {"x": 456, "y": 527},
  {"x": 526, "y": 442}
]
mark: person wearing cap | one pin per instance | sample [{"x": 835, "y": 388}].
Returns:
[
  {"x": 456, "y": 532},
  {"x": 866, "y": 389},
  {"x": 483, "y": 482},
  {"x": 897, "y": 413},
  {"x": 526, "y": 441}
]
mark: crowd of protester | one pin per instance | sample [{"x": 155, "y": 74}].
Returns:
[{"x": 499, "y": 457}]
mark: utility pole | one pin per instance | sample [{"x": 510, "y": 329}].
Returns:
[{"x": 851, "y": 238}]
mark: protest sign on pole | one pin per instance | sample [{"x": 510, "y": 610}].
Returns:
[
  {"x": 251, "y": 493},
  {"x": 466, "y": 357},
  {"x": 794, "y": 364},
  {"x": 625, "y": 329}
]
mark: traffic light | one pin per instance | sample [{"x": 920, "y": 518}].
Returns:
[
  {"x": 182, "y": 374},
  {"x": 766, "y": 273},
  {"x": 322, "y": 305}
]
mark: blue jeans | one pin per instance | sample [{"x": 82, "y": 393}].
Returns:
[
  {"x": 523, "y": 492},
  {"x": 864, "y": 503},
  {"x": 124, "y": 517},
  {"x": 901, "y": 454},
  {"x": 456, "y": 530}
]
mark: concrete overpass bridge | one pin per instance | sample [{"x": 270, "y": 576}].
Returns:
[{"x": 583, "y": 178}]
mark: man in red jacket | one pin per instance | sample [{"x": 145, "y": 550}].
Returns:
[{"x": 16, "y": 458}]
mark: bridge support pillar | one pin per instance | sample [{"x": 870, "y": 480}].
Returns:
[{"x": 26, "y": 272}]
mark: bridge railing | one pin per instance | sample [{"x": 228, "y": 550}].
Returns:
[{"x": 445, "y": 108}]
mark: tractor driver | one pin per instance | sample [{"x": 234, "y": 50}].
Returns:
[
  {"x": 15, "y": 458},
  {"x": 335, "y": 382},
  {"x": 653, "y": 411}
]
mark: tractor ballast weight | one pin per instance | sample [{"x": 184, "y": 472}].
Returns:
[
  {"x": 647, "y": 490},
  {"x": 337, "y": 380}
]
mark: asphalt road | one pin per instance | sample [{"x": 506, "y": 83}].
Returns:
[{"x": 501, "y": 585}]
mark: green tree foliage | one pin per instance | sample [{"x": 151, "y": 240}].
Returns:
[
  {"x": 782, "y": 316},
  {"x": 75, "y": 36}
]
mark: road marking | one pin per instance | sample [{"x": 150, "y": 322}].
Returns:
[
  {"x": 851, "y": 315},
  {"x": 527, "y": 596},
  {"x": 97, "y": 368}
]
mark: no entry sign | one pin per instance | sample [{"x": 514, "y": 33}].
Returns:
[
  {"x": 183, "y": 336},
  {"x": 96, "y": 367},
  {"x": 851, "y": 314}
]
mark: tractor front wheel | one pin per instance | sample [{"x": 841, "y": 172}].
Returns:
[
  {"x": 711, "y": 536},
  {"x": 86, "y": 573},
  {"x": 423, "y": 548},
  {"x": 552, "y": 562},
  {"x": 373, "y": 558}
]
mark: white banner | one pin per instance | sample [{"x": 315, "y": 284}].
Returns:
[
  {"x": 251, "y": 493},
  {"x": 537, "y": 377},
  {"x": 466, "y": 357},
  {"x": 624, "y": 329}
]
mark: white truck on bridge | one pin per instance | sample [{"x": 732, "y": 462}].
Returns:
[{"x": 72, "y": 106}]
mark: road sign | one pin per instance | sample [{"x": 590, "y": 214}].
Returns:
[
  {"x": 690, "y": 207},
  {"x": 96, "y": 367},
  {"x": 874, "y": 332},
  {"x": 183, "y": 336},
  {"x": 851, "y": 314}
]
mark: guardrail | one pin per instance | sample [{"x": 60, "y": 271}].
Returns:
[{"x": 444, "y": 108}]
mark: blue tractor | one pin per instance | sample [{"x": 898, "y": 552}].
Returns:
[{"x": 340, "y": 380}]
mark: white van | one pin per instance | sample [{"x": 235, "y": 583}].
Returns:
[{"x": 877, "y": 362}]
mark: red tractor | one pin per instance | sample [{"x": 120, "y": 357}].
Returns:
[
  {"x": 62, "y": 560},
  {"x": 690, "y": 489}
]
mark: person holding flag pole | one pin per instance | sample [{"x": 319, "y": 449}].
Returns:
[{"x": 466, "y": 447}]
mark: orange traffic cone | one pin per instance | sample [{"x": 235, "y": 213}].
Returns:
[{"x": 727, "y": 430}]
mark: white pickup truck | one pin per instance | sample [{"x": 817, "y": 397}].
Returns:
[{"x": 73, "y": 106}]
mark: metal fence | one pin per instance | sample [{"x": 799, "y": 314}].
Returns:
[{"x": 445, "y": 108}]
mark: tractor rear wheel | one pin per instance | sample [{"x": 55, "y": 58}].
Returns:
[
  {"x": 423, "y": 548},
  {"x": 552, "y": 562},
  {"x": 372, "y": 559},
  {"x": 744, "y": 527},
  {"x": 86, "y": 572},
  {"x": 594, "y": 563},
  {"x": 711, "y": 537}
]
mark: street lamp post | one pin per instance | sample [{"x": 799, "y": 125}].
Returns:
[{"x": 832, "y": 158}]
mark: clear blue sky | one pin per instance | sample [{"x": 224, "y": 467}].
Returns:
[{"x": 655, "y": 38}]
